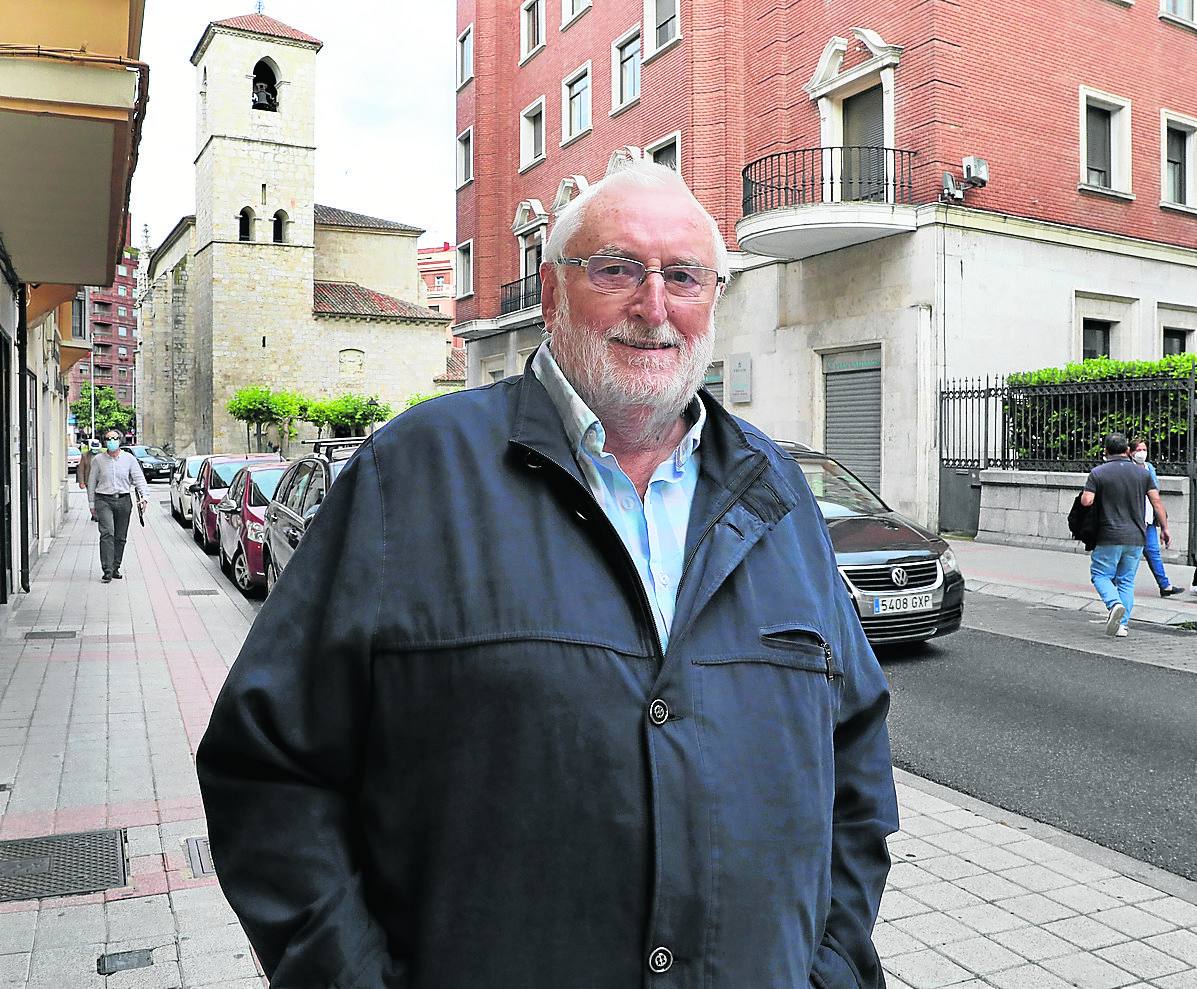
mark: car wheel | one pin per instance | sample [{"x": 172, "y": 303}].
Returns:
[
  {"x": 241, "y": 575},
  {"x": 271, "y": 576}
]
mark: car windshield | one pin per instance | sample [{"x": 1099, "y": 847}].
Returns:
[
  {"x": 263, "y": 487},
  {"x": 73, "y": 451},
  {"x": 225, "y": 473},
  {"x": 155, "y": 451},
  {"x": 193, "y": 468},
  {"x": 839, "y": 493}
]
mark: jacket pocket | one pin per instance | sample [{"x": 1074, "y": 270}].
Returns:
[{"x": 794, "y": 645}]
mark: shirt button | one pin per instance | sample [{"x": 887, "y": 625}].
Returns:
[
  {"x": 660, "y": 960},
  {"x": 627, "y": 504},
  {"x": 658, "y": 712},
  {"x": 663, "y": 579}
]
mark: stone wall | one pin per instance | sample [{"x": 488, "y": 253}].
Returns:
[
  {"x": 1030, "y": 508},
  {"x": 384, "y": 260}
]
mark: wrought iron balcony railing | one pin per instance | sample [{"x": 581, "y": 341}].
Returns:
[
  {"x": 522, "y": 294},
  {"x": 813, "y": 176}
]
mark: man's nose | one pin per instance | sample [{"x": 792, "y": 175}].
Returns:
[{"x": 648, "y": 302}]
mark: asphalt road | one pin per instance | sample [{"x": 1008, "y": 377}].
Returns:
[{"x": 1097, "y": 745}]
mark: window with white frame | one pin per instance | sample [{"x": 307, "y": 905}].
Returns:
[
  {"x": 625, "y": 70},
  {"x": 1105, "y": 131},
  {"x": 532, "y": 133},
  {"x": 571, "y": 10},
  {"x": 495, "y": 368},
  {"x": 122, "y": 270},
  {"x": 662, "y": 23},
  {"x": 122, "y": 311},
  {"x": 121, "y": 331},
  {"x": 122, "y": 290},
  {"x": 575, "y": 104},
  {"x": 122, "y": 351},
  {"x": 465, "y": 157},
  {"x": 465, "y": 56},
  {"x": 531, "y": 28},
  {"x": 465, "y": 269},
  {"x": 1178, "y": 156},
  {"x": 1182, "y": 9},
  {"x": 667, "y": 151},
  {"x": 531, "y": 251}
]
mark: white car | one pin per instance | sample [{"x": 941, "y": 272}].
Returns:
[
  {"x": 181, "y": 478},
  {"x": 73, "y": 457}
]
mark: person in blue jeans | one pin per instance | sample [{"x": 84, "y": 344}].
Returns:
[
  {"x": 1118, "y": 488},
  {"x": 1151, "y": 548}
]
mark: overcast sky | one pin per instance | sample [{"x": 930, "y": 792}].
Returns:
[{"x": 385, "y": 108}]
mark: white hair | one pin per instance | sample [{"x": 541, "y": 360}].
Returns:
[{"x": 644, "y": 173}]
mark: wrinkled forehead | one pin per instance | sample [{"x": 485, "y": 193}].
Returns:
[{"x": 646, "y": 222}]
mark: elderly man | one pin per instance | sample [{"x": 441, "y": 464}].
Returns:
[
  {"x": 562, "y": 688},
  {"x": 112, "y": 478}
]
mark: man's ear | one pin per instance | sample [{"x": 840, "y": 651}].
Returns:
[{"x": 548, "y": 295}]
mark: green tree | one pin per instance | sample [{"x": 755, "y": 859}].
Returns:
[
  {"x": 111, "y": 412},
  {"x": 349, "y": 415},
  {"x": 258, "y": 406},
  {"x": 315, "y": 411}
]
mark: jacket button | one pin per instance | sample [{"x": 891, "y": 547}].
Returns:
[
  {"x": 660, "y": 960},
  {"x": 658, "y": 712}
]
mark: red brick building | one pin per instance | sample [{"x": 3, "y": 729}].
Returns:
[
  {"x": 819, "y": 135},
  {"x": 113, "y": 332}
]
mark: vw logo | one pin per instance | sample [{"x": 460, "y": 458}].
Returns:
[{"x": 898, "y": 576}]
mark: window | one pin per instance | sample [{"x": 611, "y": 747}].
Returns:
[
  {"x": 575, "y": 105},
  {"x": 435, "y": 308},
  {"x": 122, "y": 270},
  {"x": 1178, "y": 160},
  {"x": 1096, "y": 338},
  {"x": 531, "y": 28},
  {"x": 123, "y": 372},
  {"x": 1175, "y": 341},
  {"x": 663, "y": 20},
  {"x": 123, "y": 351},
  {"x": 78, "y": 332},
  {"x": 245, "y": 224},
  {"x": 625, "y": 70},
  {"x": 465, "y": 157},
  {"x": 532, "y": 134},
  {"x": 667, "y": 151},
  {"x": 531, "y": 250},
  {"x": 122, "y": 311},
  {"x": 465, "y": 56},
  {"x": 439, "y": 281},
  {"x": 1179, "y": 8},
  {"x": 122, "y": 290},
  {"x": 1105, "y": 143},
  {"x": 264, "y": 95},
  {"x": 571, "y": 10},
  {"x": 465, "y": 269},
  {"x": 122, "y": 392},
  {"x": 494, "y": 368},
  {"x": 122, "y": 331},
  {"x": 280, "y": 227}
]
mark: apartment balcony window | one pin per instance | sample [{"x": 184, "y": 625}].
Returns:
[{"x": 524, "y": 293}]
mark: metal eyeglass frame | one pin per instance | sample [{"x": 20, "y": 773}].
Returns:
[{"x": 585, "y": 262}]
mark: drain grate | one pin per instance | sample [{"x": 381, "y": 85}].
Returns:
[
  {"x": 123, "y": 961},
  {"x": 62, "y": 865},
  {"x": 197, "y": 593},
  {"x": 49, "y": 635},
  {"x": 199, "y": 855}
]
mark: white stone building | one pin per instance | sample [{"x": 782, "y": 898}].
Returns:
[{"x": 263, "y": 285}]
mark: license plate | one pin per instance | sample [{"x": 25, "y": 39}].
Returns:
[{"x": 901, "y": 603}]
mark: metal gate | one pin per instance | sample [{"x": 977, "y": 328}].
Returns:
[{"x": 852, "y": 423}]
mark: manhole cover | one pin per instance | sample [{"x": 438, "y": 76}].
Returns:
[
  {"x": 49, "y": 635},
  {"x": 198, "y": 593},
  {"x": 199, "y": 855},
  {"x": 122, "y": 961},
  {"x": 62, "y": 865}
]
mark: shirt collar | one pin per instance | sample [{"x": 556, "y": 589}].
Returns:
[{"x": 584, "y": 429}]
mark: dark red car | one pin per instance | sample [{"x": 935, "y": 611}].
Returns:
[
  {"x": 240, "y": 520},
  {"x": 209, "y": 489}
]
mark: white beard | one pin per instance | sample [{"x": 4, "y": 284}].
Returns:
[{"x": 635, "y": 399}]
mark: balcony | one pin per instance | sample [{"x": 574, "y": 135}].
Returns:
[
  {"x": 523, "y": 294},
  {"x": 812, "y": 200}
]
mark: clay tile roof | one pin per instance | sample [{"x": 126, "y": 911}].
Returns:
[
  {"x": 344, "y": 218},
  {"x": 261, "y": 24},
  {"x": 351, "y": 299},
  {"x": 455, "y": 368}
]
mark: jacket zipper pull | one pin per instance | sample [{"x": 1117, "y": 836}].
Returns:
[{"x": 831, "y": 674}]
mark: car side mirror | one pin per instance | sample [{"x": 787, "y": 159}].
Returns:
[{"x": 193, "y": 488}]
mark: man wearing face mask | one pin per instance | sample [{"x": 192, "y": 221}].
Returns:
[
  {"x": 114, "y": 475},
  {"x": 1151, "y": 550}
]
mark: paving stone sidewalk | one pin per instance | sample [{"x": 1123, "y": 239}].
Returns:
[{"x": 100, "y": 730}]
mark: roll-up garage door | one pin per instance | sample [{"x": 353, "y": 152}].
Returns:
[{"x": 852, "y": 425}]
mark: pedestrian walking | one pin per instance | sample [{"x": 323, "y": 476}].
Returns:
[
  {"x": 1118, "y": 487},
  {"x": 1151, "y": 547},
  {"x": 84, "y": 466},
  {"x": 111, "y": 480},
  {"x": 562, "y": 686}
]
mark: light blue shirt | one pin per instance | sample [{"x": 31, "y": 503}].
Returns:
[{"x": 653, "y": 530}]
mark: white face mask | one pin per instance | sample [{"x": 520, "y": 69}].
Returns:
[{"x": 1140, "y": 456}]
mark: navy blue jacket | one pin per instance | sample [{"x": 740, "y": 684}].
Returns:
[{"x": 451, "y": 756}]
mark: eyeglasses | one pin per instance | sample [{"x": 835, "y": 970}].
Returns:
[{"x": 685, "y": 282}]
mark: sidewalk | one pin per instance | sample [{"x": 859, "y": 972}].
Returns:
[
  {"x": 1047, "y": 576},
  {"x": 100, "y": 730}
]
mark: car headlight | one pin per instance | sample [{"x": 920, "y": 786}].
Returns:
[
  {"x": 947, "y": 560},
  {"x": 256, "y": 531}
]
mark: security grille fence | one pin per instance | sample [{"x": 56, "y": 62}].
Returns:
[
  {"x": 807, "y": 176},
  {"x": 522, "y": 294}
]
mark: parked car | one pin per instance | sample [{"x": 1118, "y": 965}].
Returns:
[
  {"x": 298, "y": 496},
  {"x": 74, "y": 455},
  {"x": 904, "y": 579},
  {"x": 185, "y": 472},
  {"x": 240, "y": 523},
  {"x": 156, "y": 463},
  {"x": 208, "y": 490}
]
